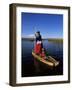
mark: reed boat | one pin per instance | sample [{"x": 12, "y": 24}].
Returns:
[{"x": 50, "y": 61}]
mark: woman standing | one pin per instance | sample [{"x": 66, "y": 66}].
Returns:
[{"x": 39, "y": 45}]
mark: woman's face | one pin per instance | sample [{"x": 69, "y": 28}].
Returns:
[{"x": 36, "y": 34}]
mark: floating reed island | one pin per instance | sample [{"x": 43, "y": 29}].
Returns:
[{"x": 56, "y": 40}]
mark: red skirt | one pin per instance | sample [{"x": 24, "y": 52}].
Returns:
[{"x": 38, "y": 49}]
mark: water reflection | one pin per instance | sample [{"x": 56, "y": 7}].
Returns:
[{"x": 30, "y": 66}]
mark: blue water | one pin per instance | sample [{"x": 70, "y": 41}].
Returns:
[{"x": 32, "y": 68}]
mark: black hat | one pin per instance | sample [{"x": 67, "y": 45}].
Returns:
[{"x": 38, "y": 32}]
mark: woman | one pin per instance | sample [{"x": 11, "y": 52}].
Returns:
[{"x": 39, "y": 45}]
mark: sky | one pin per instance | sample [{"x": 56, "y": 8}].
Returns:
[{"x": 49, "y": 25}]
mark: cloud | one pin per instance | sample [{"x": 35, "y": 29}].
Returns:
[
  {"x": 31, "y": 35},
  {"x": 28, "y": 36}
]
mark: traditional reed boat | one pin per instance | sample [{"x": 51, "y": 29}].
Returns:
[{"x": 50, "y": 61}]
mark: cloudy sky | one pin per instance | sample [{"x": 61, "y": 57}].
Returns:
[{"x": 49, "y": 25}]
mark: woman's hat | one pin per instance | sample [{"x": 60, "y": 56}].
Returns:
[{"x": 38, "y": 32}]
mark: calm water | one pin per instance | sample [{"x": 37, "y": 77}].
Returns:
[{"x": 30, "y": 66}]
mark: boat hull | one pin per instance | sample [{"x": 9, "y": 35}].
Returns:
[{"x": 50, "y": 61}]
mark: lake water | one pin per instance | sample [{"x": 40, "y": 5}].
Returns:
[{"x": 30, "y": 66}]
